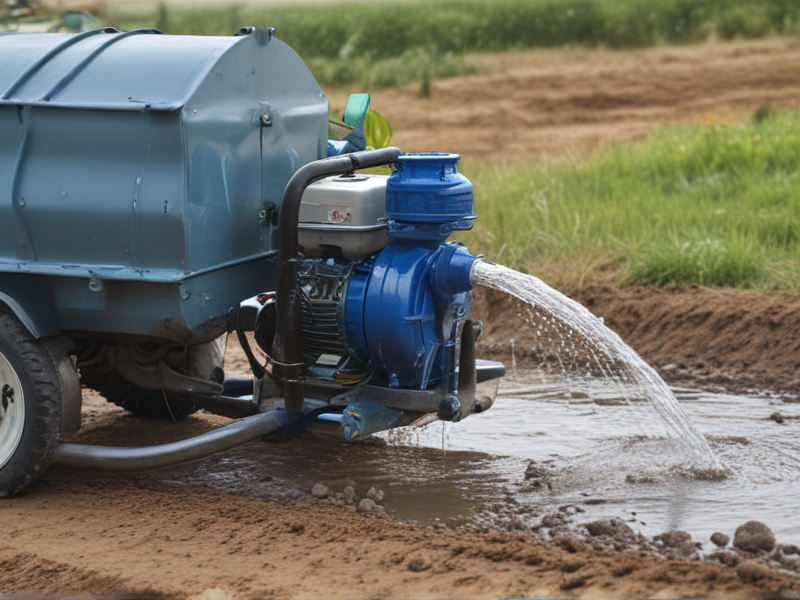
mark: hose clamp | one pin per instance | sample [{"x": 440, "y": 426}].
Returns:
[{"x": 281, "y": 371}]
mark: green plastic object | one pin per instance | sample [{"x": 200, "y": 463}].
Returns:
[
  {"x": 356, "y": 109},
  {"x": 377, "y": 130}
]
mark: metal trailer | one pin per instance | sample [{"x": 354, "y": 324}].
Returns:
[{"x": 158, "y": 193}]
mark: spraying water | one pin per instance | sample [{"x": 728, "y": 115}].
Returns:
[{"x": 589, "y": 346}]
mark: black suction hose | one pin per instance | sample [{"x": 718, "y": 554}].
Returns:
[{"x": 287, "y": 348}]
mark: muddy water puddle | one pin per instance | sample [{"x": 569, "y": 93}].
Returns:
[{"x": 549, "y": 451}]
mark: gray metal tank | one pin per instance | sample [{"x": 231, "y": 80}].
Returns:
[{"x": 140, "y": 174}]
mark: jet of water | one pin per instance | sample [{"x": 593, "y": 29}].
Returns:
[{"x": 593, "y": 347}]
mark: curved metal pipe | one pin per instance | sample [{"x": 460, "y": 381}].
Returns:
[
  {"x": 288, "y": 344},
  {"x": 167, "y": 455}
]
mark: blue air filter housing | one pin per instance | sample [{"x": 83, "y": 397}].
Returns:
[{"x": 427, "y": 198}]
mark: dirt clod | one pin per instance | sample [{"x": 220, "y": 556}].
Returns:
[
  {"x": 678, "y": 543},
  {"x": 349, "y": 494},
  {"x": 368, "y": 506},
  {"x": 320, "y": 490},
  {"x": 720, "y": 539},
  {"x": 376, "y": 495},
  {"x": 754, "y": 536},
  {"x": 613, "y": 527},
  {"x": 729, "y": 559}
]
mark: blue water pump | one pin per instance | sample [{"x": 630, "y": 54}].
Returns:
[
  {"x": 404, "y": 306},
  {"x": 382, "y": 320}
]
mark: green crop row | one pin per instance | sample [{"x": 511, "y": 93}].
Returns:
[
  {"x": 701, "y": 204},
  {"x": 391, "y": 42}
]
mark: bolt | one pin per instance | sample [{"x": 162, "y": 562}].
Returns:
[
  {"x": 450, "y": 408},
  {"x": 185, "y": 294},
  {"x": 95, "y": 285},
  {"x": 266, "y": 120}
]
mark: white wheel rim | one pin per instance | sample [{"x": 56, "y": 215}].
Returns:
[{"x": 12, "y": 410}]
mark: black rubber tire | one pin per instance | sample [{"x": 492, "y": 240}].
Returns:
[
  {"x": 42, "y": 396},
  {"x": 140, "y": 401}
]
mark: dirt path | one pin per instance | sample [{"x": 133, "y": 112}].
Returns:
[
  {"x": 552, "y": 104},
  {"x": 136, "y": 536}
]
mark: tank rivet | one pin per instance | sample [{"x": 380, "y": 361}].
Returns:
[{"x": 184, "y": 294}]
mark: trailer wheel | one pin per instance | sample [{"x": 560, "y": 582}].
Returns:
[
  {"x": 140, "y": 401},
  {"x": 30, "y": 407}
]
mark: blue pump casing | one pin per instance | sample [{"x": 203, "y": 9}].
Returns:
[
  {"x": 427, "y": 198},
  {"x": 404, "y": 306}
]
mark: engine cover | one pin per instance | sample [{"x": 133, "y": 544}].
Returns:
[{"x": 344, "y": 216}]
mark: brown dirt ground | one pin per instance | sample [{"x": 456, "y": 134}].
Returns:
[
  {"x": 558, "y": 103},
  {"x": 133, "y": 536}
]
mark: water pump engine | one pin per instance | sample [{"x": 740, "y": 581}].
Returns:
[{"x": 384, "y": 296}]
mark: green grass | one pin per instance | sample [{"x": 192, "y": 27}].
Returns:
[
  {"x": 393, "y": 42},
  {"x": 695, "y": 204}
]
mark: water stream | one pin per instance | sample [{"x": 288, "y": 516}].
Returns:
[{"x": 585, "y": 344}]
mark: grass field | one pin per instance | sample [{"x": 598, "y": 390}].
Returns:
[
  {"x": 394, "y": 42},
  {"x": 710, "y": 204}
]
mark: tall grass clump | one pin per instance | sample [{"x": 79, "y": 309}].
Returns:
[
  {"x": 732, "y": 262},
  {"x": 378, "y": 43},
  {"x": 695, "y": 204}
]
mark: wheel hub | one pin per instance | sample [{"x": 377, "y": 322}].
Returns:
[{"x": 12, "y": 410}]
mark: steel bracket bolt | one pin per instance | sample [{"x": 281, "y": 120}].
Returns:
[{"x": 266, "y": 120}]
